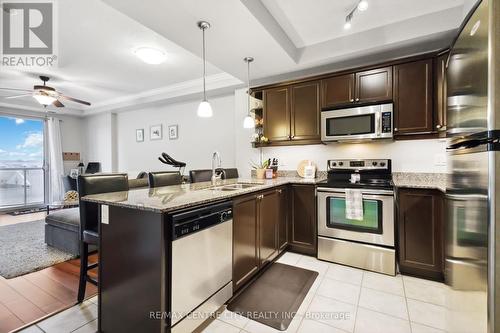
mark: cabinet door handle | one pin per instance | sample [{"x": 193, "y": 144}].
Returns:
[
  {"x": 357, "y": 99},
  {"x": 395, "y": 129},
  {"x": 352, "y": 100},
  {"x": 438, "y": 126},
  {"x": 279, "y": 191}
]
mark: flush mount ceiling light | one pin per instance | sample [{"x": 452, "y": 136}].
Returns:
[
  {"x": 248, "y": 122},
  {"x": 362, "y": 5},
  {"x": 150, "y": 55},
  {"x": 204, "y": 109}
]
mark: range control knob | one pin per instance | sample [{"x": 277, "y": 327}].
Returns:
[
  {"x": 374, "y": 163},
  {"x": 334, "y": 164},
  {"x": 223, "y": 216},
  {"x": 341, "y": 163},
  {"x": 382, "y": 164}
]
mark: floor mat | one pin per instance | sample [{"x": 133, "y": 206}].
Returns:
[
  {"x": 274, "y": 298},
  {"x": 23, "y": 249}
]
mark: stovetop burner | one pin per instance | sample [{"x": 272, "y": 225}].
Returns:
[{"x": 372, "y": 174}]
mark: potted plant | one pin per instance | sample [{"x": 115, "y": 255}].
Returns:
[{"x": 260, "y": 169}]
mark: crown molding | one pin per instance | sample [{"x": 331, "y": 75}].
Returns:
[{"x": 213, "y": 82}]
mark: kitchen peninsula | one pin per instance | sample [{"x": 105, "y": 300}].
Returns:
[{"x": 146, "y": 262}]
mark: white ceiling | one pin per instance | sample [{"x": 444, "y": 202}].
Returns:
[
  {"x": 96, "y": 60},
  {"x": 312, "y": 22},
  {"x": 287, "y": 38}
]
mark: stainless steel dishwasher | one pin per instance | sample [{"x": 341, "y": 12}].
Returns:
[{"x": 202, "y": 254}]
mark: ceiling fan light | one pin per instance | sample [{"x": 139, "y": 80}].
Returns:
[
  {"x": 150, "y": 55},
  {"x": 205, "y": 110},
  {"x": 363, "y": 5},
  {"x": 44, "y": 99},
  {"x": 248, "y": 122}
]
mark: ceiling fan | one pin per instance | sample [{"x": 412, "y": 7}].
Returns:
[{"x": 45, "y": 95}]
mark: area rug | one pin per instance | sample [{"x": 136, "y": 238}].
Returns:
[
  {"x": 274, "y": 298},
  {"x": 23, "y": 249}
]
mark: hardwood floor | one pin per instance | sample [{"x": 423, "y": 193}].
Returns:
[{"x": 29, "y": 297}]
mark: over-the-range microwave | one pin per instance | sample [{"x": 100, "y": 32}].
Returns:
[{"x": 370, "y": 122}]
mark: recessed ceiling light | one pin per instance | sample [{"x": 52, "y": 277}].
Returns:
[
  {"x": 363, "y": 5},
  {"x": 150, "y": 55}
]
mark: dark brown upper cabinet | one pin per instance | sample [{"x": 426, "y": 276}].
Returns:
[
  {"x": 421, "y": 232},
  {"x": 292, "y": 114},
  {"x": 374, "y": 85},
  {"x": 440, "y": 100},
  {"x": 305, "y": 111},
  {"x": 277, "y": 114},
  {"x": 413, "y": 96},
  {"x": 362, "y": 87},
  {"x": 303, "y": 226},
  {"x": 337, "y": 90}
]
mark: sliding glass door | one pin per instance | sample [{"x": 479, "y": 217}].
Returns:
[{"x": 22, "y": 156}]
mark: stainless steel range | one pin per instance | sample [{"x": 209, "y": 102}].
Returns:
[{"x": 366, "y": 241}]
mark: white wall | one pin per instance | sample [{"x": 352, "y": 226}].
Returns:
[
  {"x": 99, "y": 132},
  {"x": 73, "y": 139},
  {"x": 198, "y": 137}
]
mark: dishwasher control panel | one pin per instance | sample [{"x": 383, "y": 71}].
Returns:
[{"x": 191, "y": 221}]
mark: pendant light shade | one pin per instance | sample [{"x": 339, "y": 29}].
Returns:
[
  {"x": 248, "y": 122},
  {"x": 204, "y": 109}
]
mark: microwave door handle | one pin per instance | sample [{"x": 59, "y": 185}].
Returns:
[{"x": 378, "y": 118}]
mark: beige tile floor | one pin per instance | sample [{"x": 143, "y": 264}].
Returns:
[{"x": 342, "y": 299}]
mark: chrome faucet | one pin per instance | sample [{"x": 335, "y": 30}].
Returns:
[{"x": 215, "y": 177}]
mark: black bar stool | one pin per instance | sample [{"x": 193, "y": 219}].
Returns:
[
  {"x": 89, "y": 218},
  {"x": 164, "y": 178}
]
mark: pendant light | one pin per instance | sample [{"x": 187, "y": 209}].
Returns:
[
  {"x": 204, "y": 109},
  {"x": 248, "y": 122}
]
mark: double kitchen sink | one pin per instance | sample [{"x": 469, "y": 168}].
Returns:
[{"x": 233, "y": 187}]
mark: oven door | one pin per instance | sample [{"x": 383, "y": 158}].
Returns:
[{"x": 377, "y": 226}]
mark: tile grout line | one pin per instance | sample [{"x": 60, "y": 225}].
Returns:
[
  {"x": 83, "y": 325},
  {"x": 407, "y": 306},
  {"x": 357, "y": 305}
]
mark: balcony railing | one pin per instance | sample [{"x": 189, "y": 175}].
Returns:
[{"x": 21, "y": 187}]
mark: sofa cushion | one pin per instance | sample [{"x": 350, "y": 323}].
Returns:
[{"x": 65, "y": 218}]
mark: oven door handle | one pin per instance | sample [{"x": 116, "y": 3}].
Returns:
[{"x": 363, "y": 191}]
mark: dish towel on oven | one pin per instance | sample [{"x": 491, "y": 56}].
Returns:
[{"x": 353, "y": 204}]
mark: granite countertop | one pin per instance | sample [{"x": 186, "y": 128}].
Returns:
[
  {"x": 420, "y": 180},
  {"x": 169, "y": 198}
]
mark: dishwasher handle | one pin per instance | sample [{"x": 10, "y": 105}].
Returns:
[{"x": 192, "y": 221}]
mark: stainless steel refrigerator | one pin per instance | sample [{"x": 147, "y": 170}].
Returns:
[{"x": 472, "y": 201}]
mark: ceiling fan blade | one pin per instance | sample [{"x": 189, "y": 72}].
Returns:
[
  {"x": 13, "y": 89},
  {"x": 58, "y": 104},
  {"x": 74, "y": 100},
  {"x": 18, "y": 96}
]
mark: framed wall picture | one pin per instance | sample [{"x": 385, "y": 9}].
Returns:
[
  {"x": 155, "y": 132},
  {"x": 139, "y": 135},
  {"x": 173, "y": 132}
]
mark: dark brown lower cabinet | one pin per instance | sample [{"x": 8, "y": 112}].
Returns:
[
  {"x": 303, "y": 227},
  {"x": 421, "y": 234},
  {"x": 268, "y": 207},
  {"x": 283, "y": 218},
  {"x": 245, "y": 240},
  {"x": 258, "y": 223}
]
